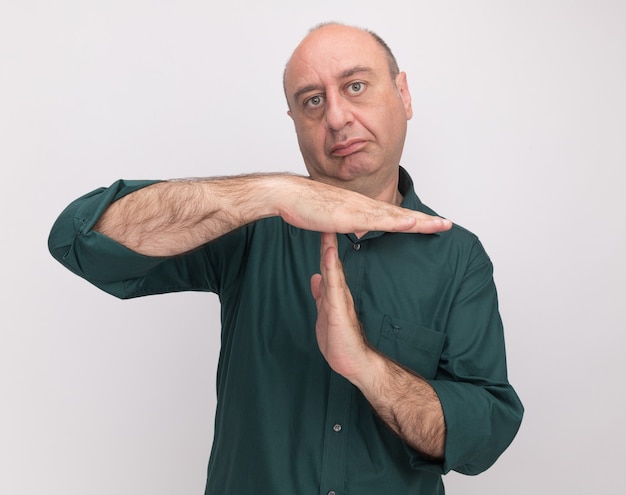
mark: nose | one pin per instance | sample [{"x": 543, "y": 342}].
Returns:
[{"x": 338, "y": 112}]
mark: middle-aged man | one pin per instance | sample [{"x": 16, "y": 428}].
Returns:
[{"x": 376, "y": 375}]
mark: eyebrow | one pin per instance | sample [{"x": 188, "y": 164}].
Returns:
[
  {"x": 355, "y": 70},
  {"x": 343, "y": 75}
]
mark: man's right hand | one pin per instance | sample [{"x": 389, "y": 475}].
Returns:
[{"x": 313, "y": 205}]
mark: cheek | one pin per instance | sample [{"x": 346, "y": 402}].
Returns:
[
  {"x": 392, "y": 124},
  {"x": 311, "y": 138}
]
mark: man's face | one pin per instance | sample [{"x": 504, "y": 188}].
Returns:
[{"x": 350, "y": 115}]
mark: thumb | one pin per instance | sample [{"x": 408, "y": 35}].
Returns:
[{"x": 316, "y": 286}]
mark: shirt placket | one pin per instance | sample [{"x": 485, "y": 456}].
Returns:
[{"x": 340, "y": 391}]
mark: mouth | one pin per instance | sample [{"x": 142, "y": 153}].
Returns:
[{"x": 347, "y": 147}]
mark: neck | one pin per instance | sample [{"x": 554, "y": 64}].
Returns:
[
  {"x": 388, "y": 194},
  {"x": 377, "y": 188}
]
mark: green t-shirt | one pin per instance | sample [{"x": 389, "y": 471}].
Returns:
[{"x": 285, "y": 423}]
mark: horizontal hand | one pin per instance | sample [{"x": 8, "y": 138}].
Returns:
[{"x": 312, "y": 205}]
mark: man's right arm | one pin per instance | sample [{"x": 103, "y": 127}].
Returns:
[
  {"x": 174, "y": 217},
  {"x": 125, "y": 238}
]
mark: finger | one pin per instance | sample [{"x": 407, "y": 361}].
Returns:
[
  {"x": 330, "y": 265},
  {"x": 316, "y": 287},
  {"x": 427, "y": 224},
  {"x": 388, "y": 218},
  {"x": 414, "y": 222},
  {"x": 328, "y": 255}
]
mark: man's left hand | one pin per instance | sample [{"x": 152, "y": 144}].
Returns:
[{"x": 339, "y": 333}]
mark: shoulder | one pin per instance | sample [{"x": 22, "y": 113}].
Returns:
[{"x": 459, "y": 240}]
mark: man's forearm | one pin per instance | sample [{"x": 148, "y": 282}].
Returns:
[
  {"x": 407, "y": 404},
  {"x": 174, "y": 217}
]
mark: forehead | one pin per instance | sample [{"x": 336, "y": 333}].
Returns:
[{"x": 329, "y": 52}]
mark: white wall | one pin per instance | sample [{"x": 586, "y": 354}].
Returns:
[{"x": 519, "y": 134}]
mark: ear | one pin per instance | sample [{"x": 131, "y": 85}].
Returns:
[
  {"x": 289, "y": 113},
  {"x": 403, "y": 91}
]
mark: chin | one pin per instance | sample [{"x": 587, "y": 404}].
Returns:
[
  {"x": 355, "y": 168},
  {"x": 343, "y": 170}
]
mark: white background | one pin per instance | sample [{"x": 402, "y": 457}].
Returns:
[{"x": 519, "y": 134}]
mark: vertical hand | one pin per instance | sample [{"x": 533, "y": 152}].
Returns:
[{"x": 339, "y": 333}]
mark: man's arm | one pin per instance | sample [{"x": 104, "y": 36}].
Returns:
[
  {"x": 407, "y": 404},
  {"x": 403, "y": 400},
  {"x": 174, "y": 217}
]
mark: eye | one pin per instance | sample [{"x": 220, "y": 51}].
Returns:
[
  {"x": 356, "y": 87},
  {"x": 314, "y": 101}
]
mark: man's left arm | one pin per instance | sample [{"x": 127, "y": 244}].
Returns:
[
  {"x": 404, "y": 401},
  {"x": 466, "y": 428}
]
